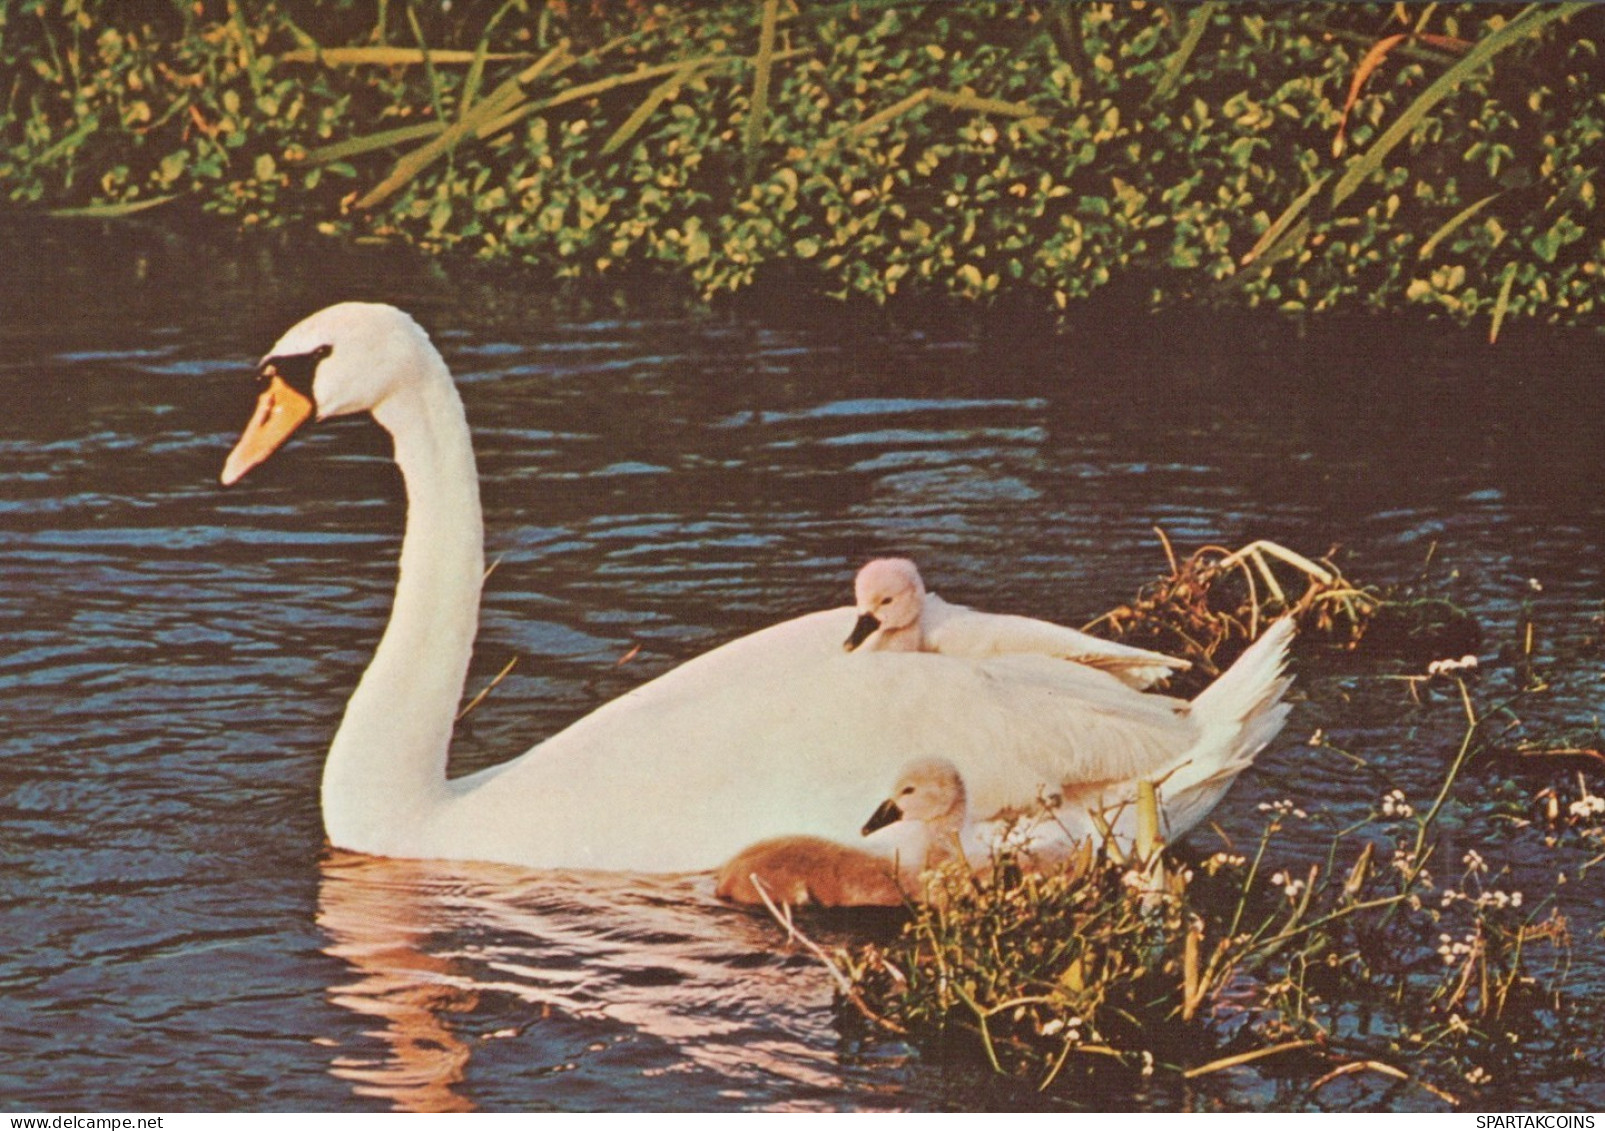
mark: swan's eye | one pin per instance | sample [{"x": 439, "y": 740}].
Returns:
[
  {"x": 907, "y": 789},
  {"x": 295, "y": 369},
  {"x": 886, "y": 600}
]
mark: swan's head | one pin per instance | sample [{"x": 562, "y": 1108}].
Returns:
[
  {"x": 889, "y": 596},
  {"x": 929, "y": 790},
  {"x": 345, "y": 358}
]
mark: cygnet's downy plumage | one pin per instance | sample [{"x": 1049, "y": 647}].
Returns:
[
  {"x": 918, "y": 827},
  {"x": 897, "y": 614}
]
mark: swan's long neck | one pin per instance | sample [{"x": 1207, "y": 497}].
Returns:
[{"x": 386, "y": 770}]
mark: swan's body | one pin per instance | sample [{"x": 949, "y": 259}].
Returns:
[
  {"x": 920, "y": 826},
  {"x": 780, "y": 732},
  {"x": 897, "y": 614}
]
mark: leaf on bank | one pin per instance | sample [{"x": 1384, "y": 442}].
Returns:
[
  {"x": 1372, "y": 60},
  {"x": 391, "y": 56},
  {"x": 1196, "y": 25},
  {"x": 1531, "y": 19},
  {"x": 1502, "y": 305},
  {"x": 111, "y": 211},
  {"x": 758, "y": 109},
  {"x": 1454, "y": 222},
  {"x": 1281, "y": 224},
  {"x": 660, "y": 94}
]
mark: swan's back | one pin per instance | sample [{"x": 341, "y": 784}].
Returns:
[{"x": 781, "y": 732}]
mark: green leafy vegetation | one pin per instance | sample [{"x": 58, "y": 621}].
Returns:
[{"x": 1297, "y": 157}]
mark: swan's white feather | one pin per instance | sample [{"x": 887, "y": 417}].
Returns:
[
  {"x": 957, "y": 630},
  {"x": 778, "y": 733},
  {"x": 781, "y": 732}
]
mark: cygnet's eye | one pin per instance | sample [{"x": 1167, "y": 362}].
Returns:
[
  {"x": 886, "y": 600},
  {"x": 907, "y": 789}
]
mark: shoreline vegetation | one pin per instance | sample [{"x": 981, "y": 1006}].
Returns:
[
  {"x": 1301, "y": 159},
  {"x": 1402, "y": 958}
]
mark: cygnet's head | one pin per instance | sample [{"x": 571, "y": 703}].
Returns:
[
  {"x": 345, "y": 358},
  {"x": 929, "y": 790},
  {"x": 889, "y": 596}
]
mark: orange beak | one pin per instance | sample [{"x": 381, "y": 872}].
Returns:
[{"x": 279, "y": 411}]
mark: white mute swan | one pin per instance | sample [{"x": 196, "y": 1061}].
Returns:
[
  {"x": 779, "y": 732},
  {"x": 896, "y": 614},
  {"x": 918, "y": 827}
]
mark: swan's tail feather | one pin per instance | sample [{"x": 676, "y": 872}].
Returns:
[
  {"x": 1239, "y": 715},
  {"x": 1247, "y": 699},
  {"x": 1252, "y": 687}
]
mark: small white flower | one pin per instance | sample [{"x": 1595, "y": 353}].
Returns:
[
  {"x": 1223, "y": 860},
  {"x": 1474, "y": 862},
  {"x": 1586, "y": 806},
  {"x": 1395, "y": 805},
  {"x": 1448, "y": 666},
  {"x": 1451, "y": 950},
  {"x": 1290, "y": 886}
]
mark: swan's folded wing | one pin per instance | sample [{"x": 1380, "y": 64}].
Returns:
[
  {"x": 1043, "y": 727},
  {"x": 784, "y": 733},
  {"x": 955, "y": 630}
]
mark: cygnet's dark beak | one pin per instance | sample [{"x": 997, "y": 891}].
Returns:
[
  {"x": 866, "y": 626},
  {"x": 887, "y": 814}
]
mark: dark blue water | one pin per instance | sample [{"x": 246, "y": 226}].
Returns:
[{"x": 175, "y": 657}]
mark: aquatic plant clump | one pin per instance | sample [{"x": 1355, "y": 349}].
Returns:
[
  {"x": 1142, "y": 963},
  {"x": 1299, "y": 158},
  {"x": 1208, "y": 607}
]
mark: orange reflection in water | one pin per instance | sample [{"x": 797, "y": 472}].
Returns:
[{"x": 446, "y": 956}]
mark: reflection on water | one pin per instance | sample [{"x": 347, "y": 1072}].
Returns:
[
  {"x": 581, "y": 967},
  {"x": 173, "y": 659},
  {"x": 377, "y": 929}
]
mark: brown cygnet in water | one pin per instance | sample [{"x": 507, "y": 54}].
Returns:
[{"x": 802, "y": 870}]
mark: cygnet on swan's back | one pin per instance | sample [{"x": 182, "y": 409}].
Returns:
[
  {"x": 918, "y": 827},
  {"x": 896, "y": 614}
]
